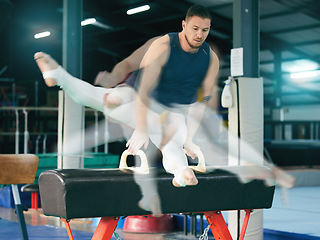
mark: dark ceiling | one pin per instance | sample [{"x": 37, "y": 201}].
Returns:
[{"x": 290, "y": 32}]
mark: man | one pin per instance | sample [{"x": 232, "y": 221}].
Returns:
[
  {"x": 172, "y": 70},
  {"x": 184, "y": 57}
]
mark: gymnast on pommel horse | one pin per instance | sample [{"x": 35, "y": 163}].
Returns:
[
  {"x": 159, "y": 97},
  {"x": 171, "y": 69}
]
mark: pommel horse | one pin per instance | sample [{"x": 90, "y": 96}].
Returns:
[
  {"x": 18, "y": 169},
  {"x": 112, "y": 193}
]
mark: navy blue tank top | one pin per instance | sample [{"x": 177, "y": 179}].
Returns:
[{"x": 182, "y": 75}]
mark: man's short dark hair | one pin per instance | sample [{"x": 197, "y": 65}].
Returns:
[{"x": 198, "y": 10}]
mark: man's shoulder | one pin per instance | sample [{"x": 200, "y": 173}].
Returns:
[
  {"x": 162, "y": 43},
  {"x": 163, "y": 39}
]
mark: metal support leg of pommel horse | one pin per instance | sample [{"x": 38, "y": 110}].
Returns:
[
  {"x": 104, "y": 231},
  {"x": 218, "y": 226}
]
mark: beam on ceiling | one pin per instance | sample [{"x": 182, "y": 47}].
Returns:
[
  {"x": 295, "y": 29},
  {"x": 274, "y": 44}
]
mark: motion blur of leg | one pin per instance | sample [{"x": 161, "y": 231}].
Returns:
[
  {"x": 166, "y": 133},
  {"x": 150, "y": 200},
  {"x": 214, "y": 140},
  {"x": 173, "y": 136},
  {"x": 86, "y": 94},
  {"x": 95, "y": 97},
  {"x": 81, "y": 91}
]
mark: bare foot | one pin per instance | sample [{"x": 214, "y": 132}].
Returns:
[
  {"x": 271, "y": 176},
  {"x": 111, "y": 101},
  {"x": 282, "y": 178},
  {"x": 189, "y": 178},
  {"x": 250, "y": 172},
  {"x": 46, "y": 63},
  {"x": 153, "y": 205}
]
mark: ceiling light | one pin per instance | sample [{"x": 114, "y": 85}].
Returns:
[
  {"x": 301, "y": 65},
  {"x": 102, "y": 25},
  {"x": 138, "y": 9},
  {"x": 309, "y": 74},
  {"x": 88, "y": 21},
  {"x": 42, "y": 35}
]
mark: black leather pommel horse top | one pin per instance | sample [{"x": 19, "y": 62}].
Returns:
[{"x": 86, "y": 193}]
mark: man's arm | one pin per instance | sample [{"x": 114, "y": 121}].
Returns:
[
  {"x": 151, "y": 65},
  {"x": 123, "y": 68},
  {"x": 196, "y": 110},
  {"x": 209, "y": 84}
]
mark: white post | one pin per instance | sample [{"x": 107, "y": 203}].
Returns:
[
  {"x": 96, "y": 131},
  {"x": 37, "y": 144},
  {"x": 17, "y": 132},
  {"x": 106, "y": 134},
  {"x": 44, "y": 144},
  {"x": 73, "y": 121},
  {"x": 246, "y": 122},
  {"x": 60, "y": 128},
  {"x": 26, "y": 133}
]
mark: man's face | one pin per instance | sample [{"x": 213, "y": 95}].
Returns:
[{"x": 196, "y": 30}]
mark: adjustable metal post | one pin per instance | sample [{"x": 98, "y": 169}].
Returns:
[{"x": 19, "y": 212}]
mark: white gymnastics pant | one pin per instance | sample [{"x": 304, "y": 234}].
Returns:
[{"x": 174, "y": 158}]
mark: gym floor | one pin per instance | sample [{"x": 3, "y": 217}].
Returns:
[{"x": 299, "y": 218}]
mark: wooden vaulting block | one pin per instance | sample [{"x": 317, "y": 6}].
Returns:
[{"x": 18, "y": 168}]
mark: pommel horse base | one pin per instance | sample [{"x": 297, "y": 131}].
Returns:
[{"x": 111, "y": 193}]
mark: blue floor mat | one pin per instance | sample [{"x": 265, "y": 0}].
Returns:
[
  {"x": 11, "y": 231},
  {"x": 280, "y": 235},
  {"x": 300, "y": 216}
]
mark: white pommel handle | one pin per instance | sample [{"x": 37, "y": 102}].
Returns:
[
  {"x": 143, "y": 169},
  {"x": 201, "y": 167}
]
